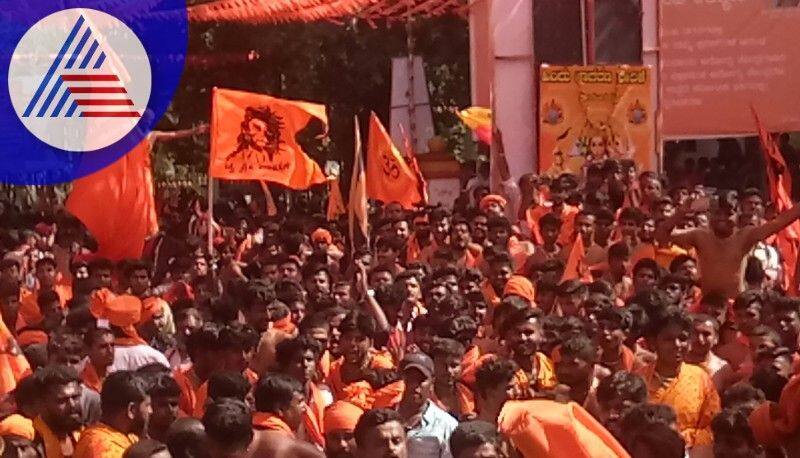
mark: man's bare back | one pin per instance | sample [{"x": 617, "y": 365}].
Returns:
[{"x": 272, "y": 444}]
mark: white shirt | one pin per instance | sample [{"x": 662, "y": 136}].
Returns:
[{"x": 131, "y": 358}]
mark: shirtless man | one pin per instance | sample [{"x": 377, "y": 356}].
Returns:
[{"x": 721, "y": 251}]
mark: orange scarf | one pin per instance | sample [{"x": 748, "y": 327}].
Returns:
[
  {"x": 314, "y": 414},
  {"x": 285, "y": 325},
  {"x": 91, "y": 378},
  {"x": 264, "y": 421}
]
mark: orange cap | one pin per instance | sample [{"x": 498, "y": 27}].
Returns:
[
  {"x": 322, "y": 235},
  {"x": 17, "y": 425},
  {"x": 342, "y": 416},
  {"x": 492, "y": 199},
  {"x": 520, "y": 286}
]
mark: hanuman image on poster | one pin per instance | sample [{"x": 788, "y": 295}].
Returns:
[
  {"x": 590, "y": 114},
  {"x": 259, "y": 142}
]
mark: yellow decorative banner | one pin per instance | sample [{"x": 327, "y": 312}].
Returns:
[{"x": 592, "y": 113}]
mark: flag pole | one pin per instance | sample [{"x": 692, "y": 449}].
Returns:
[{"x": 210, "y": 214}]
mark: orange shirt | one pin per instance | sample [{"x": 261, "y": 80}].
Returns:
[
  {"x": 314, "y": 415},
  {"x": 103, "y": 441},
  {"x": 359, "y": 392},
  {"x": 90, "y": 377},
  {"x": 189, "y": 383},
  {"x": 545, "y": 375},
  {"x": 693, "y": 397}
]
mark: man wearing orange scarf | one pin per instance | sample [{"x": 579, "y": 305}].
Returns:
[
  {"x": 126, "y": 410},
  {"x": 123, "y": 313},
  {"x": 467, "y": 253},
  {"x": 341, "y": 418},
  {"x": 522, "y": 332},
  {"x": 298, "y": 359},
  {"x": 280, "y": 405},
  {"x": 348, "y": 375},
  {"x": 58, "y": 426},
  {"x": 46, "y": 277}
]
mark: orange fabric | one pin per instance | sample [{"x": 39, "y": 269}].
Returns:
[
  {"x": 29, "y": 313},
  {"x": 549, "y": 429},
  {"x": 387, "y": 397},
  {"x": 187, "y": 380},
  {"x": 357, "y": 205},
  {"x": 263, "y": 421},
  {"x": 576, "y": 268},
  {"x": 470, "y": 358},
  {"x": 360, "y": 392},
  {"x": 780, "y": 187},
  {"x": 151, "y": 307},
  {"x": 774, "y": 424},
  {"x": 314, "y": 415},
  {"x": 336, "y": 206},
  {"x": 285, "y": 324},
  {"x": 411, "y": 158},
  {"x": 520, "y": 286},
  {"x": 30, "y": 336},
  {"x": 468, "y": 374},
  {"x": 568, "y": 214},
  {"x": 466, "y": 401},
  {"x": 127, "y": 215},
  {"x": 342, "y": 416},
  {"x": 532, "y": 217},
  {"x": 322, "y": 235},
  {"x": 124, "y": 312},
  {"x": 103, "y": 441},
  {"x": 13, "y": 365},
  {"x": 492, "y": 199},
  {"x": 492, "y": 299},
  {"x": 389, "y": 178},
  {"x": 545, "y": 375},
  {"x": 324, "y": 365},
  {"x": 52, "y": 444},
  {"x": 90, "y": 377},
  {"x": 240, "y": 119},
  {"x": 17, "y": 425},
  {"x": 692, "y": 395}
]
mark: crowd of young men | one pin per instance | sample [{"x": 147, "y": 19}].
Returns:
[{"x": 603, "y": 317}]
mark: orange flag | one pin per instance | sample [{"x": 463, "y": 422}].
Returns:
[
  {"x": 780, "y": 187},
  {"x": 358, "y": 208},
  {"x": 253, "y": 137},
  {"x": 117, "y": 205},
  {"x": 336, "y": 206},
  {"x": 13, "y": 365},
  {"x": 389, "y": 178},
  {"x": 272, "y": 209},
  {"x": 576, "y": 267},
  {"x": 411, "y": 158}
]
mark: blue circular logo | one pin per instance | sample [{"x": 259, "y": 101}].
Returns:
[{"x": 87, "y": 80}]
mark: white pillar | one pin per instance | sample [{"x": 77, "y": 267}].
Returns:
[{"x": 514, "y": 94}]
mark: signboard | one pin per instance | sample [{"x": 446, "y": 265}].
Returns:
[
  {"x": 591, "y": 113},
  {"x": 720, "y": 56}
]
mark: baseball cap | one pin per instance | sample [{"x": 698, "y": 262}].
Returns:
[{"x": 418, "y": 361}]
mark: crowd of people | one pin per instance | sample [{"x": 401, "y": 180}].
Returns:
[{"x": 601, "y": 315}]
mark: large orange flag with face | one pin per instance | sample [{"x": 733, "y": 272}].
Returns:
[
  {"x": 253, "y": 137},
  {"x": 389, "y": 178},
  {"x": 117, "y": 206}
]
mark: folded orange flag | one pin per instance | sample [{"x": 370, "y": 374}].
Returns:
[
  {"x": 389, "y": 178},
  {"x": 13, "y": 365},
  {"x": 117, "y": 205},
  {"x": 253, "y": 137},
  {"x": 576, "y": 267}
]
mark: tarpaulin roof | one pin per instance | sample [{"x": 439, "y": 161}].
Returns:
[{"x": 278, "y": 11}]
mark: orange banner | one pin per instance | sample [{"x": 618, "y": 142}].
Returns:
[
  {"x": 389, "y": 178},
  {"x": 589, "y": 114},
  {"x": 253, "y": 137},
  {"x": 719, "y": 57}
]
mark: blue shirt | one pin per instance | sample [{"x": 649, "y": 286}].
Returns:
[{"x": 431, "y": 438}]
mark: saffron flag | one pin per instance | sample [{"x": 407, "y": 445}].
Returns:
[
  {"x": 272, "y": 209},
  {"x": 336, "y": 206},
  {"x": 253, "y": 137},
  {"x": 389, "y": 178},
  {"x": 411, "y": 159},
  {"x": 13, "y": 365},
  {"x": 576, "y": 268},
  {"x": 117, "y": 205},
  {"x": 780, "y": 185},
  {"x": 479, "y": 120},
  {"x": 358, "y": 207}
]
